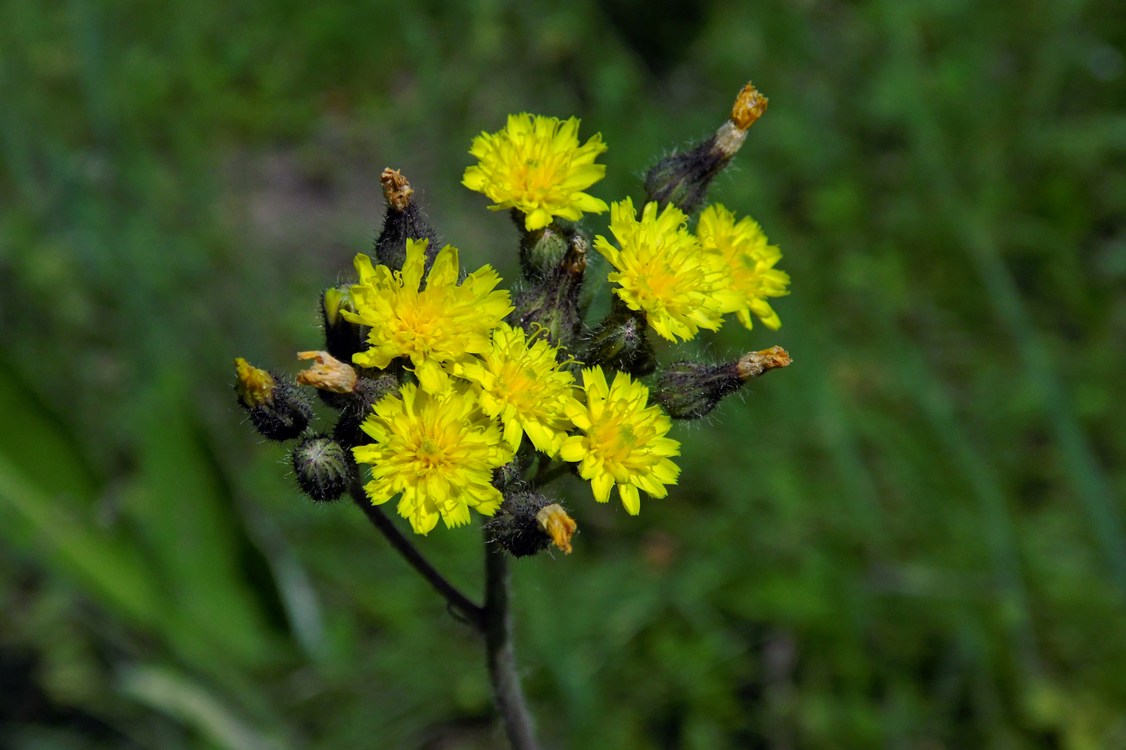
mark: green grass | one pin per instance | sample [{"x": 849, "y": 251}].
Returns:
[{"x": 912, "y": 538}]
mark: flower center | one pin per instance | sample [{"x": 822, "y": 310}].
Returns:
[{"x": 429, "y": 455}]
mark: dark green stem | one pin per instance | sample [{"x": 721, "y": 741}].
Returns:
[
  {"x": 503, "y": 674},
  {"x": 549, "y": 473}
]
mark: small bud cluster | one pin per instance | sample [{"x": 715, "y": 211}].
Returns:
[{"x": 462, "y": 397}]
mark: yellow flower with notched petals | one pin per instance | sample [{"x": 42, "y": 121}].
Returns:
[
  {"x": 520, "y": 382},
  {"x": 537, "y": 166},
  {"x": 749, "y": 261},
  {"x": 438, "y": 451},
  {"x": 662, "y": 272},
  {"x": 623, "y": 441},
  {"x": 436, "y": 326}
]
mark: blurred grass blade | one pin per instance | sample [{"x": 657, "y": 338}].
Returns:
[
  {"x": 183, "y": 511},
  {"x": 294, "y": 586},
  {"x": 63, "y": 539},
  {"x": 175, "y": 695},
  {"x": 968, "y": 212}
]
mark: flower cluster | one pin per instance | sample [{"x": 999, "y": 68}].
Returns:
[
  {"x": 460, "y": 397},
  {"x": 476, "y": 388}
]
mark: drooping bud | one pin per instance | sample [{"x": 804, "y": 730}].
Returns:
[
  {"x": 690, "y": 390},
  {"x": 527, "y": 522},
  {"x": 324, "y": 468},
  {"x": 343, "y": 338},
  {"x": 552, "y": 304},
  {"x": 541, "y": 250},
  {"x": 553, "y": 519},
  {"x": 333, "y": 379},
  {"x": 277, "y": 409},
  {"x": 327, "y": 373},
  {"x": 683, "y": 177},
  {"x": 404, "y": 220},
  {"x": 619, "y": 343}
]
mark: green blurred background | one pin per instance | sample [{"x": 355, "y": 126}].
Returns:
[{"x": 911, "y": 538}]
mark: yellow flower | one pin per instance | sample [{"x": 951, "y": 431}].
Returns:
[
  {"x": 438, "y": 450},
  {"x": 624, "y": 441},
  {"x": 536, "y": 165},
  {"x": 748, "y": 261},
  {"x": 520, "y": 382},
  {"x": 663, "y": 272},
  {"x": 439, "y": 325}
]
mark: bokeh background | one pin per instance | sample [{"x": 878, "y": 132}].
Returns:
[{"x": 911, "y": 538}]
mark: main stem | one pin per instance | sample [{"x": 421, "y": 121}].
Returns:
[
  {"x": 501, "y": 657},
  {"x": 493, "y": 620}
]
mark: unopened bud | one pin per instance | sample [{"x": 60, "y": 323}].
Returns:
[
  {"x": 619, "y": 343},
  {"x": 552, "y": 304},
  {"x": 690, "y": 390},
  {"x": 324, "y": 467},
  {"x": 527, "y": 522},
  {"x": 682, "y": 178},
  {"x": 541, "y": 250},
  {"x": 277, "y": 409},
  {"x": 343, "y": 338},
  {"x": 404, "y": 221}
]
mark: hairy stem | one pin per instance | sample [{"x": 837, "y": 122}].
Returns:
[
  {"x": 507, "y": 694},
  {"x": 457, "y": 601}
]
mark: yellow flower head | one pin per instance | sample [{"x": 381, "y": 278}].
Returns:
[
  {"x": 623, "y": 441},
  {"x": 439, "y": 325},
  {"x": 520, "y": 382},
  {"x": 438, "y": 450},
  {"x": 748, "y": 261},
  {"x": 536, "y": 165},
  {"x": 663, "y": 273}
]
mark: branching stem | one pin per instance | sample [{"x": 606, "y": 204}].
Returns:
[
  {"x": 492, "y": 620},
  {"x": 474, "y": 614}
]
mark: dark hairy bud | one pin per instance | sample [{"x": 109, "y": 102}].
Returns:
[
  {"x": 541, "y": 250},
  {"x": 690, "y": 390},
  {"x": 355, "y": 406},
  {"x": 277, "y": 409},
  {"x": 343, "y": 338},
  {"x": 552, "y": 304},
  {"x": 527, "y": 522},
  {"x": 324, "y": 468},
  {"x": 683, "y": 178},
  {"x": 619, "y": 343},
  {"x": 404, "y": 221}
]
